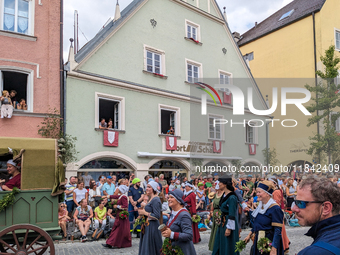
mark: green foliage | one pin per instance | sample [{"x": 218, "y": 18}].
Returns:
[
  {"x": 8, "y": 199},
  {"x": 328, "y": 98},
  {"x": 51, "y": 127},
  {"x": 270, "y": 157},
  {"x": 169, "y": 249},
  {"x": 240, "y": 246}
]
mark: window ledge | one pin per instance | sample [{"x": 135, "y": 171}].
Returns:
[
  {"x": 190, "y": 83},
  {"x": 18, "y": 35},
  {"x": 156, "y": 75},
  {"x": 252, "y": 143},
  {"x": 223, "y": 141},
  {"x": 194, "y": 41},
  {"x": 164, "y": 135},
  {"x": 109, "y": 129},
  {"x": 22, "y": 113}
]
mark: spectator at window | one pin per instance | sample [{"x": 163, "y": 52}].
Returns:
[
  {"x": 13, "y": 96},
  {"x": 62, "y": 219},
  {"x": 22, "y": 104},
  {"x": 110, "y": 124},
  {"x": 171, "y": 131},
  {"x": 15, "y": 180},
  {"x": 6, "y": 107},
  {"x": 83, "y": 215},
  {"x": 80, "y": 193},
  {"x": 94, "y": 194},
  {"x": 99, "y": 219},
  {"x": 102, "y": 124}
]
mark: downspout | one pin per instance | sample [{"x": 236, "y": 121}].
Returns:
[
  {"x": 315, "y": 75},
  {"x": 61, "y": 65}
]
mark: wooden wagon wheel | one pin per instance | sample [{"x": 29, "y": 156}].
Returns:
[{"x": 24, "y": 239}]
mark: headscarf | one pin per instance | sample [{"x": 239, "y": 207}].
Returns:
[
  {"x": 11, "y": 162},
  {"x": 123, "y": 189},
  {"x": 189, "y": 184},
  {"x": 177, "y": 194},
  {"x": 154, "y": 185}
]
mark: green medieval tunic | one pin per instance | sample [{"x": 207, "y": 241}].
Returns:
[
  {"x": 226, "y": 245},
  {"x": 216, "y": 202}
]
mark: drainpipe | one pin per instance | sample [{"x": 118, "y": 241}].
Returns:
[
  {"x": 61, "y": 64},
  {"x": 315, "y": 75}
]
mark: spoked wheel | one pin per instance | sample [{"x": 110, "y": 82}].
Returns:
[{"x": 25, "y": 239}]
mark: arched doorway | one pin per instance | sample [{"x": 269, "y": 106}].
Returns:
[{"x": 169, "y": 168}]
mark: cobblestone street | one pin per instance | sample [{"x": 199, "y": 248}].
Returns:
[{"x": 296, "y": 236}]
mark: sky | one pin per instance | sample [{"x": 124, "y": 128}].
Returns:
[{"x": 241, "y": 15}]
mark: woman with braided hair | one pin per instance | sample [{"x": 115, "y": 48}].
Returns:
[{"x": 227, "y": 232}]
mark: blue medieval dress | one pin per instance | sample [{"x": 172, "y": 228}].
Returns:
[
  {"x": 151, "y": 238},
  {"x": 268, "y": 223},
  {"x": 180, "y": 224},
  {"x": 226, "y": 244}
]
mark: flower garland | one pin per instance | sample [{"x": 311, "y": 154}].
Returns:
[
  {"x": 196, "y": 219},
  {"x": 8, "y": 199},
  {"x": 168, "y": 249},
  {"x": 123, "y": 215},
  {"x": 218, "y": 218},
  {"x": 240, "y": 246},
  {"x": 264, "y": 245},
  {"x": 138, "y": 222}
]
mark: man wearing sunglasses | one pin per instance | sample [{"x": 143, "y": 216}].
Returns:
[{"x": 317, "y": 204}]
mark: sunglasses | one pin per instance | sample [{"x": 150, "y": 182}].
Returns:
[
  {"x": 62, "y": 206},
  {"x": 303, "y": 204}
]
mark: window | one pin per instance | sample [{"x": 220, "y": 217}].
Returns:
[
  {"x": 286, "y": 15},
  {"x": 337, "y": 39},
  {"x": 110, "y": 108},
  {"x": 194, "y": 71},
  {"x": 17, "y": 16},
  {"x": 251, "y": 132},
  {"x": 169, "y": 117},
  {"x": 20, "y": 83},
  {"x": 192, "y": 30},
  {"x": 154, "y": 60},
  {"x": 249, "y": 56},
  {"x": 215, "y": 131}
]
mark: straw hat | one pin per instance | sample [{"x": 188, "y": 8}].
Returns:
[{"x": 211, "y": 195}]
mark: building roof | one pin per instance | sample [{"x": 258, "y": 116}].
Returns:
[
  {"x": 102, "y": 34},
  {"x": 302, "y": 8}
]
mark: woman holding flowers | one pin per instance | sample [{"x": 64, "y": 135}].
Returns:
[
  {"x": 227, "y": 232},
  {"x": 190, "y": 200},
  {"x": 268, "y": 222},
  {"x": 151, "y": 239},
  {"x": 179, "y": 227},
  {"x": 120, "y": 234},
  {"x": 215, "y": 214}
]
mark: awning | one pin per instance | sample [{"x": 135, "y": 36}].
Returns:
[{"x": 165, "y": 155}]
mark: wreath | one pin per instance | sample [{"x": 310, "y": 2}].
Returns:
[
  {"x": 240, "y": 246},
  {"x": 139, "y": 222},
  {"x": 196, "y": 219},
  {"x": 264, "y": 245},
  {"x": 8, "y": 199},
  {"x": 124, "y": 215},
  {"x": 169, "y": 249}
]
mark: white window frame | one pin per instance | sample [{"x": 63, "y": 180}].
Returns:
[
  {"x": 225, "y": 73},
  {"x": 30, "y": 84},
  {"x": 31, "y": 15},
  {"x": 221, "y": 128},
  {"x": 200, "y": 69},
  {"x": 121, "y": 116},
  {"x": 336, "y": 30},
  {"x": 255, "y": 132},
  {"x": 177, "y": 118},
  {"x": 337, "y": 122},
  {"x": 155, "y": 51},
  {"x": 198, "y": 29}
]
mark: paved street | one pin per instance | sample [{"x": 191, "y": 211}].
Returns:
[{"x": 296, "y": 235}]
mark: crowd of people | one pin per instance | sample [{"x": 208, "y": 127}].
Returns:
[{"x": 179, "y": 209}]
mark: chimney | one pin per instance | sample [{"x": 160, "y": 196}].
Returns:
[
  {"x": 225, "y": 14},
  {"x": 117, "y": 13},
  {"x": 255, "y": 24},
  {"x": 236, "y": 36},
  {"x": 71, "y": 59}
]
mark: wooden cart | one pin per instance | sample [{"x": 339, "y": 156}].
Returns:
[{"x": 26, "y": 226}]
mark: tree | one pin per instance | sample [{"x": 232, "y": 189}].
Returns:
[
  {"x": 52, "y": 128},
  {"x": 325, "y": 102},
  {"x": 270, "y": 157}
]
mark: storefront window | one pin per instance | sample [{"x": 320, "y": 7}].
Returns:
[
  {"x": 167, "y": 164},
  {"x": 104, "y": 163}
]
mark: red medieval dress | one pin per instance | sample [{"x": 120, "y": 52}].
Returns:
[
  {"x": 120, "y": 234},
  {"x": 190, "y": 201}
]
